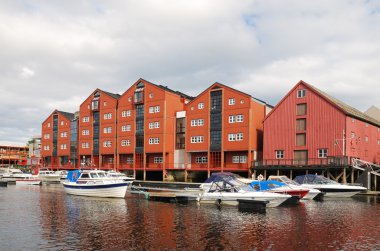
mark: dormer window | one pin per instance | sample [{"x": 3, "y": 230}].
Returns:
[{"x": 301, "y": 93}]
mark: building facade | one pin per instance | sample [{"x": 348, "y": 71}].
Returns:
[
  {"x": 56, "y": 141},
  {"x": 310, "y": 128},
  {"x": 224, "y": 130}
]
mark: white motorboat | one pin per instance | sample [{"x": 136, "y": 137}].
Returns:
[
  {"x": 48, "y": 176},
  {"x": 118, "y": 175},
  {"x": 62, "y": 174},
  {"x": 30, "y": 180},
  {"x": 12, "y": 174},
  {"x": 227, "y": 189},
  {"x": 94, "y": 183},
  {"x": 312, "y": 194},
  {"x": 329, "y": 187}
]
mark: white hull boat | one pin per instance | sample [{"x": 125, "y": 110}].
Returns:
[
  {"x": 48, "y": 176},
  {"x": 94, "y": 183},
  {"x": 225, "y": 188},
  {"x": 329, "y": 187},
  {"x": 29, "y": 181}
]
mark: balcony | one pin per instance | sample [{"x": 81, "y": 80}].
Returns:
[{"x": 340, "y": 161}]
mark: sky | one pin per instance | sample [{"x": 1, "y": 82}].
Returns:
[{"x": 54, "y": 54}]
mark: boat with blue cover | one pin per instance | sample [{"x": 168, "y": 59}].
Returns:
[{"x": 95, "y": 183}]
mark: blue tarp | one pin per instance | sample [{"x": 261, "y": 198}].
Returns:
[
  {"x": 73, "y": 176},
  {"x": 265, "y": 185}
]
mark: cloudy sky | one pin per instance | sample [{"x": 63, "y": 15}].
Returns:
[{"x": 55, "y": 53}]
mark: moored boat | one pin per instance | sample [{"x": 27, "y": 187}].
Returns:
[
  {"x": 31, "y": 180},
  {"x": 329, "y": 187},
  {"x": 312, "y": 194},
  {"x": 48, "y": 176},
  {"x": 227, "y": 189},
  {"x": 94, "y": 183}
]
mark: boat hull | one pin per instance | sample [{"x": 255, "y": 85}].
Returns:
[
  {"x": 29, "y": 182},
  {"x": 232, "y": 199},
  {"x": 116, "y": 190},
  {"x": 337, "y": 191}
]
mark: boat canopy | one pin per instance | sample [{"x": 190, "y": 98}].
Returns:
[
  {"x": 313, "y": 179},
  {"x": 265, "y": 185},
  {"x": 225, "y": 182},
  {"x": 73, "y": 176}
]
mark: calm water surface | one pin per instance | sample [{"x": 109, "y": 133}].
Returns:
[{"x": 45, "y": 218}]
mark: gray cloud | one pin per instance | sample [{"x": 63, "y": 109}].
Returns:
[{"x": 55, "y": 54}]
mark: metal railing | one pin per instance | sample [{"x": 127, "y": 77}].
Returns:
[{"x": 329, "y": 161}]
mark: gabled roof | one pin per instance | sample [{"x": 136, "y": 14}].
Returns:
[
  {"x": 373, "y": 112},
  {"x": 68, "y": 115},
  {"x": 346, "y": 109},
  {"x": 225, "y": 86},
  {"x": 115, "y": 96}
]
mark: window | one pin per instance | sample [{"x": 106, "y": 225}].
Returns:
[
  {"x": 125, "y": 142},
  {"x": 107, "y": 143},
  {"x": 231, "y": 101},
  {"x": 105, "y": 103},
  {"x": 129, "y": 99},
  {"x": 46, "y": 136},
  {"x": 85, "y": 145},
  {"x": 239, "y": 136},
  {"x": 157, "y": 160},
  {"x": 85, "y": 132},
  {"x": 196, "y": 139},
  {"x": 366, "y": 138},
  {"x": 201, "y": 105},
  {"x": 48, "y": 125},
  {"x": 352, "y": 135},
  {"x": 129, "y": 160},
  {"x": 151, "y": 95},
  {"x": 86, "y": 119},
  {"x": 239, "y": 159},
  {"x": 126, "y": 128},
  {"x": 201, "y": 159},
  {"x": 154, "y": 109},
  {"x": 126, "y": 113},
  {"x": 107, "y": 130},
  {"x": 300, "y": 139},
  {"x": 154, "y": 125},
  {"x": 301, "y": 124},
  {"x": 322, "y": 153},
  {"x": 197, "y": 122},
  {"x": 63, "y": 134},
  {"x": 239, "y": 118},
  {"x": 46, "y": 148},
  {"x": 107, "y": 115},
  {"x": 154, "y": 141},
  {"x": 63, "y": 146},
  {"x": 231, "y": 119},
  {"x": 231, "y": 137},
  {"x": 280, "y": 154},
  {"x": 62, "y": 123},
  {"x": 301, "y": 109},
  {"x": 301, "y": 93}
]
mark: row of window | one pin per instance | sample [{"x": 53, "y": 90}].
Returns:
[
  {"x": 63, "y": 135},
  {"x": 62, "y": 123},
  {"x": 197, "y": 122},
  {"x": 322, "y": 153},
  {"x": 235, "y": 159},
  {"x": 231, "y": 101}
]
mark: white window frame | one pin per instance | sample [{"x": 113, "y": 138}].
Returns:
[
  {"x": 158, "y": 160},
  {"x": 48, "y": 125},
  {"x": 154, "y": 141},
  {"x": 107, "y": 129},
  {"x": 280, "y": 154},
  {"x": 231, "y": 119},
  {"x": 239, "y": 118},
  {"x": 47, "y": 136},
  {"x": 197, "y": 139},
  {"x": 322, "y": 153},
  {"x": 107, "y": 116},
  {"x": 85, "y": 145},
  {"x": 129, "y": 160},
  {"x": 63, "y": 134},
  {"x": 201, "y": 105},
  {"x": 62, "y": 123},
  {"x": 231, "y": 101},
  {"x": 235, "y": 159},
  {"x": 125, "y": 142},
  {"x": 201, "y": 159},
  {"x": 107, "y": 143},
  {"x": 86, "y": 119},
  {"x": 63, "y": 146},
  {"x": 201, "y": 122},
  {"x": 243, "y": 159},
  {"x": 301, "y": 93},
  {"x": 239, "y": 136},
  {"x": 231, "y": 137}
]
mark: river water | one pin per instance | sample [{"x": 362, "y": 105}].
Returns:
[{"x": 45, "y": 218}]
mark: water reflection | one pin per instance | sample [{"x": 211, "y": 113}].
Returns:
[{"x": 45, "y": 218}]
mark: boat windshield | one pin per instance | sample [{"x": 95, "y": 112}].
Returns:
[
  {"x": 101, "y": 175},
  {"x": 284, "y": 179}
]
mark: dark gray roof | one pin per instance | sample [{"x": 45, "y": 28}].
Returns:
[
  {"x": 68, "y": 115},
  {"x": 175, "y": 92},
  {"x": 349, "y": 110},
  {"x": 116, "y": 96}
]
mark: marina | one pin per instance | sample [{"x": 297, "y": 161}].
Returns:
[{"x": 46, "y": 218}]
